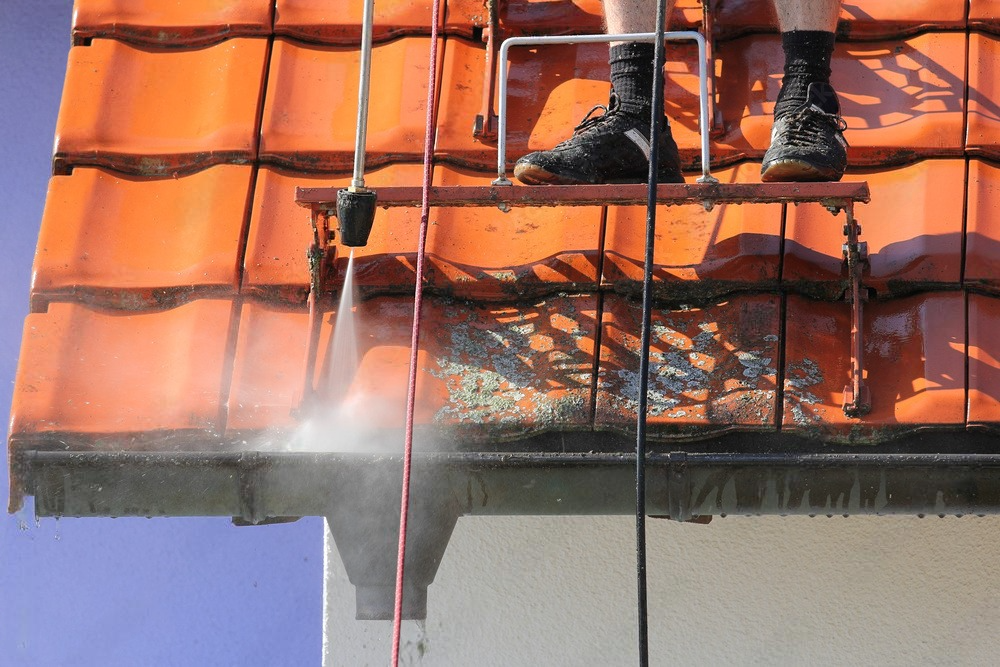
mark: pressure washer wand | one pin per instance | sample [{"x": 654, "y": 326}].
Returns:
[{"x": 356, "y": 204}]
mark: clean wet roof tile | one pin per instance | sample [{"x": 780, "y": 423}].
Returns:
[
  {"x": 310, "y": 109},
  {"x": 338, "y": 22},
  {"x": 160, "y": 112},
  {"x": 925, "y": 253},
  {"x": 914, "y": 360},
  {"x": 118, "y": 373},
  {"x": 170, "y": 24},
  {"x": 137, "y": 242}
]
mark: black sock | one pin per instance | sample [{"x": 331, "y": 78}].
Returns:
[
  {"x": 807, "y": 60},
  {"x": 632, "y": 77}
]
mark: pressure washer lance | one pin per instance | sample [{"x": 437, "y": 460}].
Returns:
[{"x": 355, "y": 215}]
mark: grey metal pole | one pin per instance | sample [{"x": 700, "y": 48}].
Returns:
[{"x": 364, "y": 84}]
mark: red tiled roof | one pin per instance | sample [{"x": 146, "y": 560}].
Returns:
[{"x": 169, "y": 293}]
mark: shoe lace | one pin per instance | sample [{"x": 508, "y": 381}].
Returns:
[
  {"x": 590, "y": 120},
  {"x": 810, "y": 125}
]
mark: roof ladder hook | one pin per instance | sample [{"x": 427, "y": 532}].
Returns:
[
  {"x": 857, "y": 397},
  {"x": 356, "y": 204}
]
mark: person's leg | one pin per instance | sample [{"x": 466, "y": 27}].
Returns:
[
  {"x": 807, "y": 142},
  {"x": 614, "y": 147}
]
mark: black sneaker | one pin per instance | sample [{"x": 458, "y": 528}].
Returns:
[
  {"x": 808, "y": 144},
  {"x": 612, "y": 147}
]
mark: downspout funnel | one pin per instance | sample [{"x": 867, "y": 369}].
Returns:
[{"x": 364, "y": 524}]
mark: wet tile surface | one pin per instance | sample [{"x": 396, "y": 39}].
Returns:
[
  {"x": 914, "y": 358},
  {"x": 339, "y": 21},
  {"x": 280, "y": 233},
  {"x": 699, "y": 254},
  {"x": 111, "y": 372},
  {"x": 901, "y": 100},
  {"x": 984, "y": 96},
  {"x": 712, "y": 369},
  {"x": 984, "y": 360},
  {"x": 133, "y": 242},
  {"x": 982, "y": 259},
  {"x": 170, "y": 24},
  {"x": 119, "y": 107},
  {"x": 310, "y": 110},
  {"x": 925, "y": 253}
]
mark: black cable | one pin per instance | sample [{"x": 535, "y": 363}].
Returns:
[{"x": 647, "y": 309}]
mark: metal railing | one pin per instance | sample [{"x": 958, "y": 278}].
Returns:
[{"x": 687, "y": 35}]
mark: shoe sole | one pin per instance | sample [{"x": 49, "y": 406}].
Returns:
[
  {"x": 530, "y": 174},
  {"x": 797, "y": 171}
]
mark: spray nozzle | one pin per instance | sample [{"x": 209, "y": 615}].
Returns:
[{"x": 355, "y": 215}]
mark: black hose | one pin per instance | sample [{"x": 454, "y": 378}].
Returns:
[{"x": 647, "y": 309}]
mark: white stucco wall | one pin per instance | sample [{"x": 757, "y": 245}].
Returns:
[{"x": 763, "y": 591}]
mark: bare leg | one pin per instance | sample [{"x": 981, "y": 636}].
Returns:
[{"x": 807, "y": 14}]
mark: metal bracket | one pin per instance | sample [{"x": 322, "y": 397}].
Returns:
[
  {"x": 321, "y": 255},
  {"x": 857, "y": 397},
  {"x": 484, "y": 127}
]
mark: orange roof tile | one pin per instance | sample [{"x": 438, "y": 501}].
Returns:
[
  {"x": 914, "y": 358},
  {"x": 712, "y": 369},
  {"x": 171, "y": 278},
  {"x": 984, "y": 96},
  {"x": 135, "y": 242},
  {"x": 699, "y": 254},
  {"x": 338, "y": 22},
  {"x": 982, "y": 259},
  {"x": 122, "y": 374},
  {"x": 120, "y": 107},
  {"x": 311, "y": 105},
  {"x": 184, "y": 23},
  {"x": 925, "y": 253}
]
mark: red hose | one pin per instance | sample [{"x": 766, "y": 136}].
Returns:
[{"x": 411, "y": 390}]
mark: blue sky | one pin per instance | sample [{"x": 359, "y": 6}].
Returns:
[{"x": 123, "y": 591}]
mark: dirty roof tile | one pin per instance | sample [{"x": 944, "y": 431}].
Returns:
[
  {"x": 113, "y": 373},
  {"x": 185, "y": 23},
  {"x": 120, "y": 107},
  {"x": 133, "y": 242},
  {"x": 983, "y": 134},
  {"x": 338, "y": 22},
  {"x": 484, "y": 372},
  {"x": 712, "y": 369},
  {"x": 982, "y": 250},
  {"x": 923, "y": 254},
  {"x": 699, "y": 254},
  {"x": 984, "y": 359},
  {"x": 310, "y": 109},
  {"x": 914, "y": 360}
]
